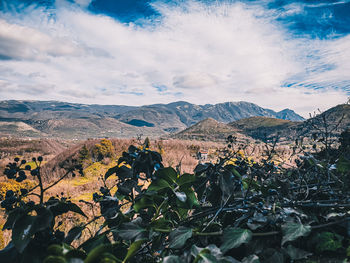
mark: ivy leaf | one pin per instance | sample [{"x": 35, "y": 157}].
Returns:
[
  {"x": 179, "y": 237},
  {"x": 123, "y": 172},
  {"x": 159, "y": 185},
  {"x": 210, "y": 254},
  {"x": 234, "y": 237},
  {"x": 94, "y": 242},
  {"x": 172, "y": 259},
  {"x": 234, "y": 171},
  {"x": 111, "y": 171},
  {"x": 21, "y": 232},
  {"x": 12, "y": 218},
  {"x": 95, "y": 254},
  {"x": 200, "y": 168},
  {"x": 73, "y": 234},
  {"x": 144, "y": 202},
  {"x": 227, "y": 185},
  {"x": 186, "y": 180},
  {"x": 297, "y": 253},
  {"x": 59, "y": 207},
  {"x": 208, "y": 258},
  {"x": 191, "y": 200},
  {"x": 168, "y": 174},
  {"x": 291, "y": 231},
  {"x": 327, "y": 241},
  {"x": 26, "y": 226},
  {"x": 134, "y": 247},
  {"x": 132, "y": 230},
  {"x": 181, "y": 196},
  {"x": 251, "y": 259}
]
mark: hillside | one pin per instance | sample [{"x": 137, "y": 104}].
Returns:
[
  {"x": 209, "y": 130},
  {"x": 336, "y": 119},
  {"x": 263, "y": 127},
  {"x": 77, "y": 121}
]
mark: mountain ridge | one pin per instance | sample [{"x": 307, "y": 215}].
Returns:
[{"x": 93, "y": 120}]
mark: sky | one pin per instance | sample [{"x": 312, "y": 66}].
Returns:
[{"x": 275, "y": 53}]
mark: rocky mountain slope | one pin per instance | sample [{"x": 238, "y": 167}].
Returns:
[
  {"x": 72, "y": 120},
  {"x": 263, "y": 128}
]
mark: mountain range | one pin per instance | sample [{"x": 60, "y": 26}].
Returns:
[{"x": 72, "y": 120}]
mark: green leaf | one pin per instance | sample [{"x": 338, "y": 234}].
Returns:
[
  {"x": 42, "y": 220},
  {"x": 21, "y": 232},
  {"x": 343, "y": 165},
  {"x": 251, "y": 259},
  {"x": 327, "y": 241},
  {"x": 74, "y": 233},
  {"x": 297, "y": 253},
  {"x": 96, "y": 253},
  {"x": 234, "y": 237},
  {"x": 191, "y": 200},
  {"x": 144, "y": 202},
  {"x": 236, "y": 173},
  {"x": 111, "y": 171},
  {"x": 207, "y": 258},
  {"x": 134, "y": 247},
  {"x": 26, "y": 226},
  {"x": 179, "y": 236},
  {"x": 186, "y": 180},
  {"x": 12, "y": 217},
  {"x": 172, "y": 259},
  {"x": 291, "y": 231},
  {"x": 168, "y": 174},
  {"x": 181, "y": 196},
  {"x": 227, "y": 185},
  {"x": 60, "y": 207},
  {"x": 124, "y": 172},
  {"x": 132, "y": 230},
  {"x": 93, "y": 242},
  {"x": 200, "y": 168},
  {"x": 159, "y": 184}
]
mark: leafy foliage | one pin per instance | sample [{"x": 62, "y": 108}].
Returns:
[
  {"x": 234, "y": 210},
  {"x": 101, "y": 150}
]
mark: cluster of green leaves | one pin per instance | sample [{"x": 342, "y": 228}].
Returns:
[{"x": 223, "y": 212}]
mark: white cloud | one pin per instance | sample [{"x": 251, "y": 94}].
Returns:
[
  {"x": 21, "y": 42},
  {"x": 202, "y": 54},
  {"x": 83, "y": 3}
]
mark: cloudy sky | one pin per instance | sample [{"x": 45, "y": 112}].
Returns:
[{"x": 276, "y": 53}]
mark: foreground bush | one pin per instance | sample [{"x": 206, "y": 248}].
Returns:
[{"x": 234, "y": 210}]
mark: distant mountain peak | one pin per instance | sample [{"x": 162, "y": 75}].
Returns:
[{"x": 288, "y": 114}]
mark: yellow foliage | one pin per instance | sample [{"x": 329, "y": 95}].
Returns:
[
  {"x": 98, "y": 168},
  {"x": 86, "y": 197},
  {"x": 103, "y": 149},
  {"x": 2, "y": 239},
  {"x": 31, "y": 164},
  {"x": 15, "y": 186},
  {"x": 78, "y": 181}
]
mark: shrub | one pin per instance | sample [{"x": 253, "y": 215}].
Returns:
[
  {"x": 226, "y": 211},
  {"x": 102, "y": 150}
]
